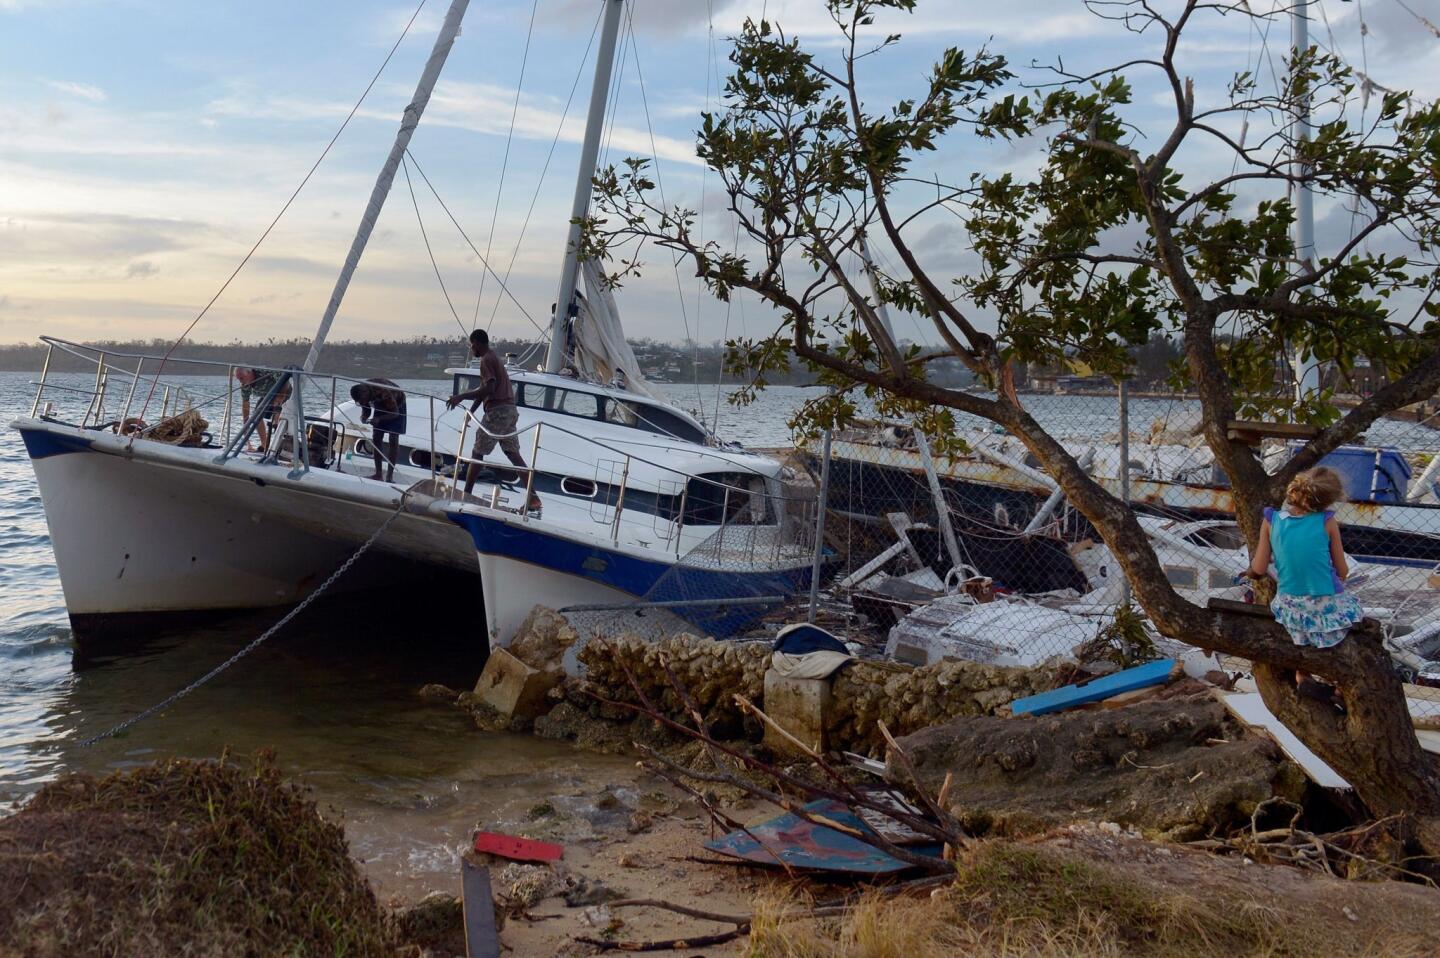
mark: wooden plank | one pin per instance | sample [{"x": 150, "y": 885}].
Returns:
[
  {"x": 1253, "y": 609},
  {"x": 1094, "y": 690},
  {"x": 1129, "y": 698},
  {"x": 519, "y": 849},
  {"x": 482, "y": 939},
  {"x": 1249, "y": 709},
  {"x": 1249, "y": 431}
]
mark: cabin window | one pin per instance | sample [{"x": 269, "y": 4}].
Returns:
[
  {"x": 652, "y": 419},
  {"x": 1181, "y": 576},
  {"x": 1220, "y": 580},
  {"x": 727, "y": 498},
  {"x": 585, "y": 488},
  {"x": 569, "y": 402}
]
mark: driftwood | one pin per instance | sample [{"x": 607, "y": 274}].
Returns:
[{"x": 1337, "y": 854}]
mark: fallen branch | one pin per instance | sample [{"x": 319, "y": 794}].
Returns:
[{"x": 674, "y": 944}]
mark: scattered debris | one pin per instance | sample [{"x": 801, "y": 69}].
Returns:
[
  {"x": 804, "y": 845},
  {"x": 516, "y": 848}
]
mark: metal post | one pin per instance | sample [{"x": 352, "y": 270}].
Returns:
[
  {"x": 580, "y": 204},
  {"x": 530, "y": 475},
  {"x": 130, "y": 396},
  {"x": 942, "y": 511},
  {"x": 431, "y": 400},
  {"x": 822, "y": 497},
  {"x": 335, "y": 449},
  {"x": 95, "y": 399},
  {"x": 44, "y": 375},
  {"x": 460, "y": 453},
  {"x": 1124, "y": 476},
  {"x": 620, "y": 500},
  {"x": 1307, "y": 370},
  {"x": 229, "y": 404}
]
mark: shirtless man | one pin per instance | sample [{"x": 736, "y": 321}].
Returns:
[{"x": 497, "y": 427}]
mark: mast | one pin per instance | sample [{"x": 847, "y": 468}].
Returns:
[
  {"x": 881, "y": 310},
  {"x": 1307, "y": 370},
  {"x": 408, "y": 121},
  {"x": 580, "y": 206}
]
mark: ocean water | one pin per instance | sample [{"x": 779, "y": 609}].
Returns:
[{"x": 334, "y": 694}]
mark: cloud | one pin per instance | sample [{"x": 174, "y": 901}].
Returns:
[
  {"x": 85, "y": 91},
  {"x": 141, "y": 269},
  {"x": 477, "y": 107}
]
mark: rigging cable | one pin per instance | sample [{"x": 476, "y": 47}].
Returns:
[
  {"x": 704, "y": 189},
  {"x": 505, "y": 161},
  {"x": 545, "y": 169},
  {"x": 274, "y": 222},
  {"x": 660, "y": 184},
  {"x": 405, "y": 166},
  {"x": 463, "y": 235}
]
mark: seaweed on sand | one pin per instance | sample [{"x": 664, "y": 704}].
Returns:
[{"x": 182, "y": 857}]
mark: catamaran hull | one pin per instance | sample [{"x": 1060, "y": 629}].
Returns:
[
  {"x": 169, "y": 531},
  {"x": 523, "y": 564},
  {"x": 874, "y": 480}
]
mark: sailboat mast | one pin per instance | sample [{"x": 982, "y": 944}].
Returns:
[
  {"x": 1307, "y": 370},
  {"x": 881, "y": 309},
  {"x": 408, "y": 121},
  {"x": 580, "y": 206}
]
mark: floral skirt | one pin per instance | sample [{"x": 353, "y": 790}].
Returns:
[{"x": 1318, "y": 620}]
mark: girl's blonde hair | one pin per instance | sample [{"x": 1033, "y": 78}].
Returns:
[{"x": 1315, "y": 490}]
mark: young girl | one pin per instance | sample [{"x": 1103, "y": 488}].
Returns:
[{"x": 1304, "y": 540}]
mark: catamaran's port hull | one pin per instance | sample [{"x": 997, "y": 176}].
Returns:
[{"x": 167, "y": 532}]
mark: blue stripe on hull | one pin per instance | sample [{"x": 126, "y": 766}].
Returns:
[
  {"x": 648, "y": 579},
  {"x": 41, "y": 444}
]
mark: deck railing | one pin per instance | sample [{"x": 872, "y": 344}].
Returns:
[{"x": 665, "y": 505}]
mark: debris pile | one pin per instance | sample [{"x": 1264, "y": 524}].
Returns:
[{"x": 206, "y": 857}]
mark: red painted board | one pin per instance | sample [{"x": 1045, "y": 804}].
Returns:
[{"x": 519, "y": 849}]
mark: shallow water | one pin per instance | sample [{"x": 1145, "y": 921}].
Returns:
[{"x": 334, "y": 694}]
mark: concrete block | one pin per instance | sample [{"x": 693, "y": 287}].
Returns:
[
  {"x": 513, "y": 688},
  {"x": 799, "y": 706}
]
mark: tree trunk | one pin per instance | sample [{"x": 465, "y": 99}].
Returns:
[{"x": 1372, "y": 744}]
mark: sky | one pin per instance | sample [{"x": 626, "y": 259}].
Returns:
[{"x": 145, "y": 145}]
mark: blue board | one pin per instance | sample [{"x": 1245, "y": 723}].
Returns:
[{"x": 1142, "y": 676}]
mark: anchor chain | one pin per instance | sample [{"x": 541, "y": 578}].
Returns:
[{"x": 257, "y": 641}]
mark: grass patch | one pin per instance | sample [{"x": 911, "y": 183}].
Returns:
[
  {"x": 1026, "y": 901},
  {"x": 183, "y": 857}
]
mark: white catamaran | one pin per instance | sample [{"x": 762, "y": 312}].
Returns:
[{"x": 643, "y": 506}]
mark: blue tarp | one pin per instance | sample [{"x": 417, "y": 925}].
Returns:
[{"x": 801, "y": 844}]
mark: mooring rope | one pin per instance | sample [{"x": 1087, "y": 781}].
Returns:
[{"x": 257, "y": 641}]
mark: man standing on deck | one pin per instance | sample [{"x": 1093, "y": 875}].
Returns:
[{"x": 498, "y": 425}]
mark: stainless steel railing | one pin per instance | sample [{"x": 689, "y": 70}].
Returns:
[{"x": 666, "y": 509}]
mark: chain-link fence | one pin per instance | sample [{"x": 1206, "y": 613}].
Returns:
[{"x": 979, "y": 555}]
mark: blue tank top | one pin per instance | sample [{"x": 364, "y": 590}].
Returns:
[{"x": 1301, "y": 547}]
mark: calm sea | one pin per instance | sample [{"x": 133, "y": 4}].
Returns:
[{"x": 335, "y": 693}]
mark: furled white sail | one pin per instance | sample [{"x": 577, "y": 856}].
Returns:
[{"x": 600, "y": 349}]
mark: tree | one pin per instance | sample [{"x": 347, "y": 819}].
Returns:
[{"x": 1116, "y": 237}]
